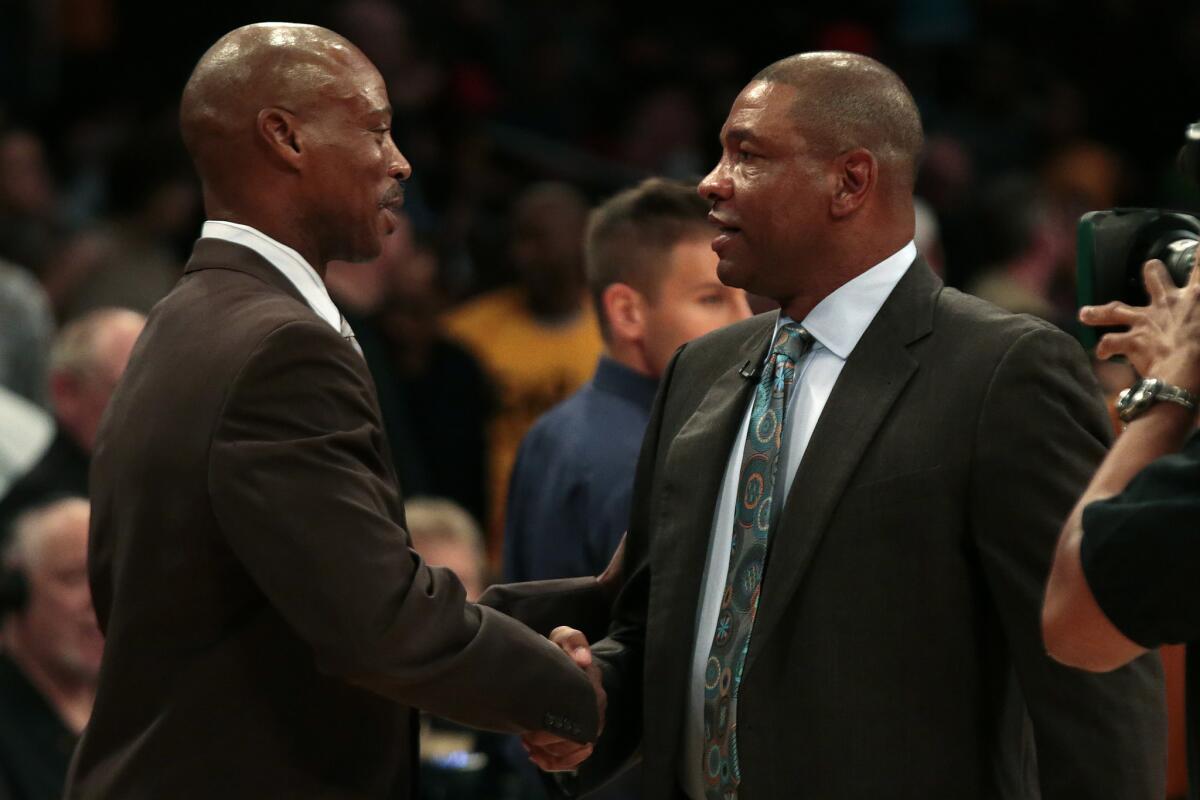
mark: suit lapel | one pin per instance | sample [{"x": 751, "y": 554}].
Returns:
[
  {"x": 694, "y": 472},
  {"x": 874, "y": 375}
]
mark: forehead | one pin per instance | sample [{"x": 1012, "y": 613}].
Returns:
[
  {"x": 63, "y": 543},
  {"x": 357, "y": 85},
  {"x": 762, "y": 109},
  {"x": 691, "y": 261}
]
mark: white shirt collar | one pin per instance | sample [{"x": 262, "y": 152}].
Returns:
[
  {"x": 840, "y": 320},
  {"x": 283, "y": 258}
]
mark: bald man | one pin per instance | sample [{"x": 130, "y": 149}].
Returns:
[
  {"x": 86, "y": 361},
  {"x": 269, "y": 628},
  {"x": 845, "y": 511}
]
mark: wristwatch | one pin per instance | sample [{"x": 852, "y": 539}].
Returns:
[{"x": 1133, "y": 402}]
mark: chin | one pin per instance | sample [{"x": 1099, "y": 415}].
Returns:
[{"x": 730, "y": 274}]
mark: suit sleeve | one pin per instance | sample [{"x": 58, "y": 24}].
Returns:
[
  {"x": 306, "y": 501},
  {"x": 1041, "y": 433},
  {"x": 579, "y": 603}
]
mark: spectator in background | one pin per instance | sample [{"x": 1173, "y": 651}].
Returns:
[
  {"x": 28, "y": 224},
  {"x": 652, "y": 275},
  {"x": 51, "y": 649},
  {"x": 432, "y": 379},
  {"x": 359, "y": 291},
  {"x": 422, "y": 377},
  {"x": 445, "y": 536},
  {"x": 457, "y": 762},
  {"x": 1022, "y": 243},
  {"x": 538, "y": 341},
  {"x": 25, "y": 334},
  {"x": 131, "y": 259},
  {"x": 653, "y": 280},
  {"x": 86, "y": 362}
]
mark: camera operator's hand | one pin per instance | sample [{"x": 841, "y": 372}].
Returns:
[{"x": 1163, "y": 340}]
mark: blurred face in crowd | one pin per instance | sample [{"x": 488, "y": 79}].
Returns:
[
  {"x": 409, "y": 316},
  {"x": 80, "y": 396},
  {"x": 25, "y": 183},
  {"x": 547, "y": 251},
  {"x": 354, "y": 188},
  {"x": 460, "y": 559},
  {"x": 690, "y": 301},
  {"x": 769, "y": 194},
  {"x": 57, "y": 628}
]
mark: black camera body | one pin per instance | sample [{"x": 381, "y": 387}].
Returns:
[{"x": 1114, "y": 244}]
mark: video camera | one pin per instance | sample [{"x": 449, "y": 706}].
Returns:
[{"x": 1114, "y": 244}]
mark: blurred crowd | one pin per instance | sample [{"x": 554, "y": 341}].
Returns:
[{"x": 518, "y": 117}]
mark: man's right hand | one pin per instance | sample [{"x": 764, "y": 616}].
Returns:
[{"x": 549, "y": 751}]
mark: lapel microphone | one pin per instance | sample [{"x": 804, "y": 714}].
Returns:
[{"x": 749, "y": 371}]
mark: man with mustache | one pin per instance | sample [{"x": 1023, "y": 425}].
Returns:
[
  {"x": 269, "y": 628},
  {"x": 845, "y": 511}
]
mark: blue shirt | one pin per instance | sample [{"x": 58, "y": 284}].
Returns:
[{"x": 568, "y": 501}]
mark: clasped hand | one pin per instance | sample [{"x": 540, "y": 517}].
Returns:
[{"x": 549, "y": 751}]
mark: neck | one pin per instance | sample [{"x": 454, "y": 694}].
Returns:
[
  {"x": 556, "y": 309},
  {"x": 284, "y": 227},
  {"x": 844, "y": 265},
  {"x": 629, "y": 354},
  {"x": 70, "y": 695}
]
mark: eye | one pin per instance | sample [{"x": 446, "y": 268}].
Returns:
[
  {"x": 744, "y": 155},
  {"x": 711, "y": 299}
]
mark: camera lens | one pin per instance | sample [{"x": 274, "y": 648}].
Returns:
[{"x": 1179, "y": 256}]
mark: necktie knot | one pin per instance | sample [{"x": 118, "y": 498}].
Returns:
[{"x": 792, "y": 342}]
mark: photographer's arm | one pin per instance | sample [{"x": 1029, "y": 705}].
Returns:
[{"x": 1163, "y": 341}]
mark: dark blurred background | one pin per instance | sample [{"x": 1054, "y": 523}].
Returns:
[{"x": 1034, "y": 111}]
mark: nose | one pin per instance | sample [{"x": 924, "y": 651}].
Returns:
[
  {"x": 716, "y": 184},
  {"x": 398, "y": 166}
]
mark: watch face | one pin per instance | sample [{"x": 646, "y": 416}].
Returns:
[{"x": 1137, "y": 398}]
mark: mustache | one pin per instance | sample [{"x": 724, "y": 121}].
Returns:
[{"x": 393, "y": 198}]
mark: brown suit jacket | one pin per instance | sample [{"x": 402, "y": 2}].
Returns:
[
  {"x": 269, "y": 630},
  {"x": 897, "y": 650}
]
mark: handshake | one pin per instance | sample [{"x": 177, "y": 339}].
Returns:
[{"x": 550, "y": 751}]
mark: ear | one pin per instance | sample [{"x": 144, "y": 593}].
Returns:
[
  {"x": 855, "y": 174},
  {"x": 64, "y": 393},
  {"x": 625, "y": 312},
  {"x": 278, "y": 129}
]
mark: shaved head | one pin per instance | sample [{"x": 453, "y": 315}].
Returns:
[
  {"x": 289, "y": 127},
  {"x": 269, "y": 64},
  {"x": 846, "y": 100}
]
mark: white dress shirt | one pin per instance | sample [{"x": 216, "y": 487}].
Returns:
[
  {"x": 286, "y": 260},
  {"x": 836, "y": 323}
]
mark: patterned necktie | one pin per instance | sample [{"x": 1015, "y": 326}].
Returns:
[
  {"x": 756, "y": 513},
  {"x": 348, "y": 335}
]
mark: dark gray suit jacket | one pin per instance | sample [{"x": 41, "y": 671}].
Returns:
[
  {"x": 269, "y": 630},
  {"x": 897, "y": 651}
]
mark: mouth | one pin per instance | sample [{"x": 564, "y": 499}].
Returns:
[
  {"x": 726, "y": 231},
  {"x": 393, "y": 200}
]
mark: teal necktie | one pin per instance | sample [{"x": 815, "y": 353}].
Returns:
[{"x": 756, "y": 513}]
